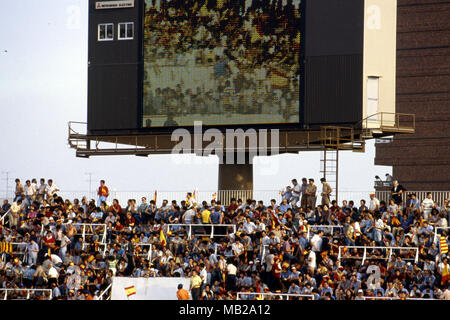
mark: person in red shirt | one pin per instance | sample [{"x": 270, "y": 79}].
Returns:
[
  {"x": 49, "y": 239},
  {"x": 103, "y": 193}
]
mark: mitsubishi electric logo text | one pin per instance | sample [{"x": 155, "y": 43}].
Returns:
[{"x": 261, "y": 142}]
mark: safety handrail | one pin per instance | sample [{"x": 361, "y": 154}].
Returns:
[
  {"x": 274, "y": 294},
  {"x": 322, "y": 226},
  {"x": 100, "y": 297},
  {"x": 190, "y": 226},
  {"x": 28, "y": 292},
  {"x": 364, "y": 257},
  {"x": 436, "y": 232}
]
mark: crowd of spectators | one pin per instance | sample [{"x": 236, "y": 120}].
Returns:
[
  {"x": 287, "y": 247},
  {"x": 211, "y": 56}
]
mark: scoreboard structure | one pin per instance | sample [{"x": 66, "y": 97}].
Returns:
[{"x": 322, "y": 72}]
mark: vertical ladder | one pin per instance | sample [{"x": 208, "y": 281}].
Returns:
[{"x": 329, "y": 163}]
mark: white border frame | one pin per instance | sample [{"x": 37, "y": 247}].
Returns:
[
  {"x": 126, "y": 29},
  {"x": 106, "y": 34}
]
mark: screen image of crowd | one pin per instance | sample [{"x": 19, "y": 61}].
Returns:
[
  {"x": 300, "y": 246},
  {"x": 221, "y": 61}
]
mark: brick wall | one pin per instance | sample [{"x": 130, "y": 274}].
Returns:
[{"x": 422, "y": 161}]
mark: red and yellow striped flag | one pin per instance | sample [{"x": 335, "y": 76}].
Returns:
[
  {"x": 91, "y": 258},
  {"x": 443, "y": 245},
  {"x": 5, "y": 247},
  {"x": 162, "y": 238},
  {"x": 155, "y": 196},
  {"x": 214, "y": 195},
  {"x": 130, "y": 290}
]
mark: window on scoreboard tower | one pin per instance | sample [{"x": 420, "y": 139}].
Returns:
[
  {"x": 105, "y": 32},
  {"x": 126, "y": 31}
]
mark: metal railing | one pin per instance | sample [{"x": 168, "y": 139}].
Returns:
[
  {"x": 28, "y": 291},
  {"x": 263, "y": 294},
  {"x": 436, "y": 234},
  {"x": 149, "y": 251},
  {"x": 390, "y": 249},
  {"x": 16, "y": 250},
  {"x": 203, "y": 229},
  {"x": 3, "y": 217},
  {"x": 395, "y": 298},
  {"x": 437, "y": 196},
  {"x": 325, "y": 228},
  {"x": 104, "y": 295}
]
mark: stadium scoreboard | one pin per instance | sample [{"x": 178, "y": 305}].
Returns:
[{"x": 157, "y": 65}]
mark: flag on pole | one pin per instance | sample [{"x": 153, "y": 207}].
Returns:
[
  {"x": 130, "y": 291},
  {"x": 258, "y": 290},
  {"x": 162, "y": 238},
  {"x": 443, "y": 245}
]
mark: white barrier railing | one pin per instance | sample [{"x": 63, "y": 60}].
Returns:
[
  {"x": 18, "y": 248},
  {"x": 202, "y": 227},
  {"x": 325, "y": 228},
  {"x": 3, "y": 217},
  {"x": 263, "y": 294},
  {"x": 390, "y": 249},
  {"x": 437, "y": 196},
  {"x": 28, "y": 291},
  {"x": 395, "y": 298},
  {"x": 149, "y": 251},
  {"x": 104, "y": 295},
  {"x": 92, "y": 226},
  {"x": 436, "y": 236}
]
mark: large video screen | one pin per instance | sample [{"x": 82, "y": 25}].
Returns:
[{"x": 222, "y": 62}]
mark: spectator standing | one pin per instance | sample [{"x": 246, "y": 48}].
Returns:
[
  {"x": 102, "y": 192},
  {"x": 374, "y": 203},
  {"x": 195, "y": 285},
  {"x": 326, "y": 192},
  {"x": 51, "y": 189},
  {"x": 41, "y": 191},
  {"x": 427, "y": 206},
  {"x": 304, "y": 200},
  {"x": 311, "y": 193},
  {"x": 19, "y": 193},
  {"x": 397, "y": 192}
]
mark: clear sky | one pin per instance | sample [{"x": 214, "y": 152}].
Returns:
[{"x": 43, "y": 85}]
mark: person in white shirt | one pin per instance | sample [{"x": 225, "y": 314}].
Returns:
[
  {"x": 42, "y": 190},
  {"x": 316, "y": 241},
  {"x": 51, "y": 189},
  {"x": 312, "y": 261},
  {"x": 238, "y": 248},
  {"x": 296, "y": 190},
  {"x": 249, "y": 226},
  {"x": 427, "y": 206},
  {"x": 374, "y": 203},
  {"x": 30, "y": 193}
]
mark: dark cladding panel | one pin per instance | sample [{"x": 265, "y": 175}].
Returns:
[
  {"x": 334, "y": 89},
  {"x": 113, "y": 72},
  {"x": 334, "y": 61}
]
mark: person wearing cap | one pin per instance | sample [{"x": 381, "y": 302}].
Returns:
[
  {"x": 311, "y": 190},
  {"x": 182, "y": 294},
  {"x": 374, "y": 203}
]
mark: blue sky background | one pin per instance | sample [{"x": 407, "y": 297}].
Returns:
[{"x": 43, "y": 85}]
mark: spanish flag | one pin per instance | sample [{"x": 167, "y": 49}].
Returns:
[
  {"x": 155, "y": 196},
  {"x": 258, "y": 290},
  {"x": 130, "y": 291},
  {"x": 443, "y": 245},
  {"x": 162, "y": 238},
  {"x": 91, "y": 258},
  {"x": 214, "y": 195}
]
